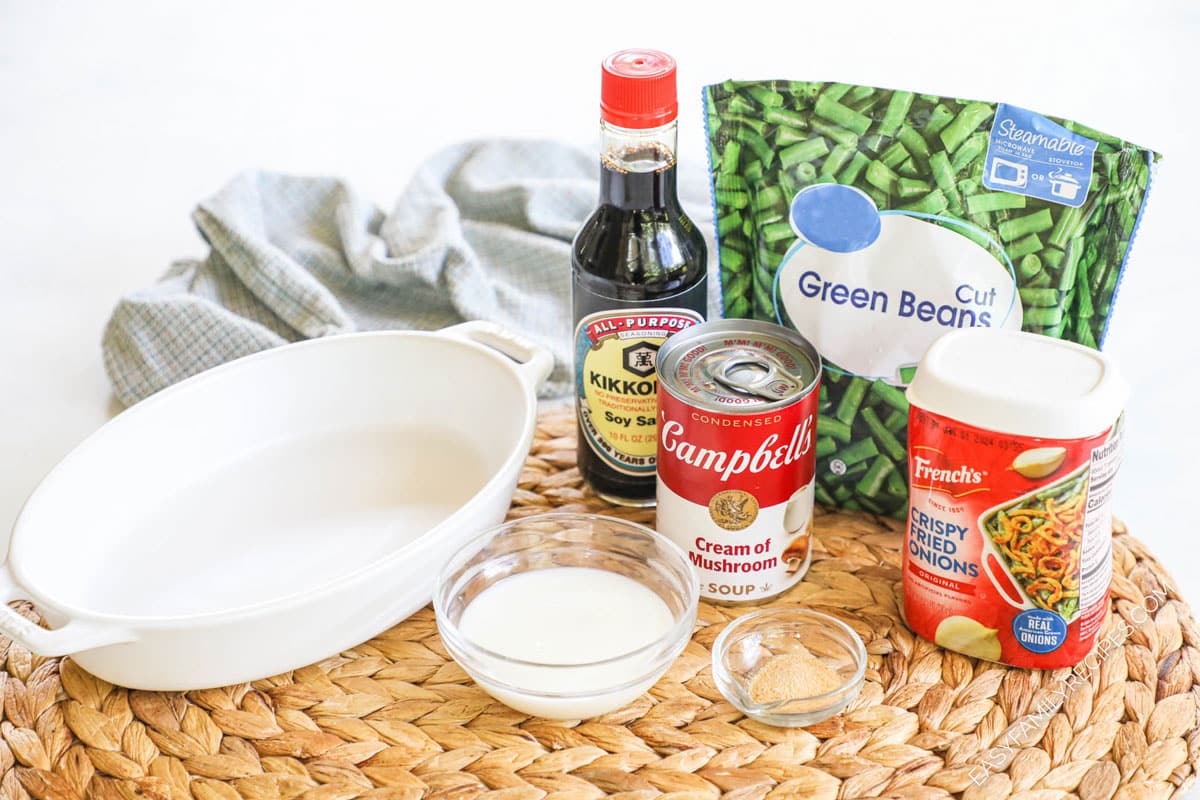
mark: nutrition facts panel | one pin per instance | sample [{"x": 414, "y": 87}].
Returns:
[{"x": 1096, "y": 558}]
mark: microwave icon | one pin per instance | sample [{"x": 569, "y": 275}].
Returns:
[{"x": 1009, "y": 173}]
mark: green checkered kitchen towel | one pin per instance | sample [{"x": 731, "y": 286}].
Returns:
[{"x": 482, "y": 231}]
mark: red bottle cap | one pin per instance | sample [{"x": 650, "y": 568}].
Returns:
[{"x": 637, "y": 89}]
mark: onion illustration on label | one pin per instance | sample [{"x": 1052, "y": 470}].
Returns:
[
  {"x": 1040, "y": 462},
  {"x": 968, "y": 636}
]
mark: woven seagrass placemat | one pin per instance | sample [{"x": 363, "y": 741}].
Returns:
[{"x": 395, "y": 717}]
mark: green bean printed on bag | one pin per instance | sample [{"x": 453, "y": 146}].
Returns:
[{"x": 873, "y": 221}]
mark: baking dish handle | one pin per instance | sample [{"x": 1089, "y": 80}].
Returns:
[
  {"x": 74, "y": 637},
  {"x": 533, "y": 363}
]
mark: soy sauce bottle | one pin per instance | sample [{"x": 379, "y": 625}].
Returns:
[{"x": 639, "y": 268}]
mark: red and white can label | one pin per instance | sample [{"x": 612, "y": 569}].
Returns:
[
  {"x": 1008, "y": 548},
  {"x": 735, "y": 492}
]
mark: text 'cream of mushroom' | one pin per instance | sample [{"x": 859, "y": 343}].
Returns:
[{"x": 737, "y": 413}]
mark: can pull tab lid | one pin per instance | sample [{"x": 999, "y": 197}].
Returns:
[{"x": 755, "y": 374}]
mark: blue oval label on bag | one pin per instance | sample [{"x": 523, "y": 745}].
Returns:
[
  {"x": 1032, "y": 155},
  {"x": 837, "y": 218}
]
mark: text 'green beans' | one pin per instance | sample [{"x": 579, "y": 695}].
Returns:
[{"x": 924, "y": 157}]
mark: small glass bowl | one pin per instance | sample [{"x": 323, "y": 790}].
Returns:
[
  {"x": 569, "y": 690},
  {"x": 750, "y": 641}
]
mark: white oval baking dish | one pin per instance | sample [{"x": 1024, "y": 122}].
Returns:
[{"x": 275, "y": 510}]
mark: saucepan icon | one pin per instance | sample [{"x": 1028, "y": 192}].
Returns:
[{"x": 275, "y": 510}]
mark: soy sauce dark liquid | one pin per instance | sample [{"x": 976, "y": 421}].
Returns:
[
  {"x": 638, "y": 246},
  {"x": 639, "y": 267}
]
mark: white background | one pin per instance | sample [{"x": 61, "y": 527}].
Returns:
[{"x": 117, "y": 117}]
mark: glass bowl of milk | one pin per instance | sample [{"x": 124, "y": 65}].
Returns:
[{"x": 567, "y": 616}]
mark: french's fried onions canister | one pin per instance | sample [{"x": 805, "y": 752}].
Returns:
[
  {"x": 1014, "y": 446},
  {"x": 737, "y": 413}
]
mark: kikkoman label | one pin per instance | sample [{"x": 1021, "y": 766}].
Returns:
[{"x": 616, "y": 353}]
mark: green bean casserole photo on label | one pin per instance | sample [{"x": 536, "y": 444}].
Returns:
[{"x": 873, "y": 221}]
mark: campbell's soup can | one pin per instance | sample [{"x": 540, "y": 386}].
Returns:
[
  {"x": 1014, "y": 442},
  {"x": 737, "y": 415}
]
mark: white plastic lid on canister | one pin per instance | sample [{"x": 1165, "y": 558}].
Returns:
[{"x": 1019, "y": 383}]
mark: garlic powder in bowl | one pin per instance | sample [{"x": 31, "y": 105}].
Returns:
[{"x": 789, "y": 667}]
